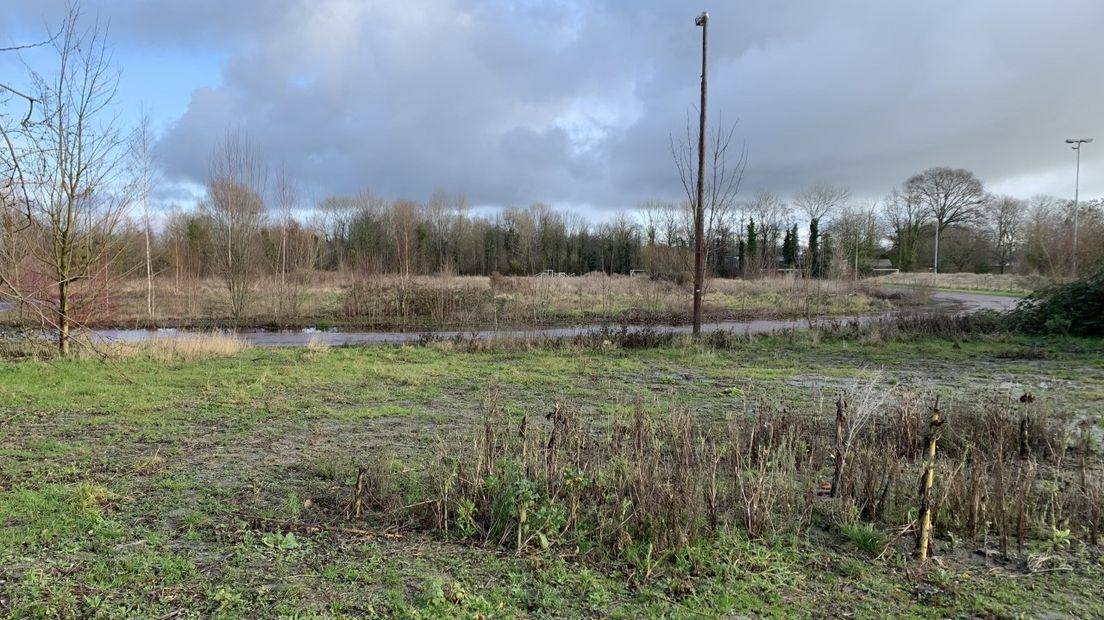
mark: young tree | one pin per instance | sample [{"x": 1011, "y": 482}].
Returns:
[
  {"x": 950, "y": 195},
  {"x": 287, "y": 197},
  {"x": 142, "y": 160},
  {"x": 67, "y": 158},
  {"x": 235, "y": 206},
  {"x": 723, "y": 176},
  {"x": 404, "y": 222}
]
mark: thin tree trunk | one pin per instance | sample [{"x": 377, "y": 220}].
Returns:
[
  {"x": 841, "y": 448},
  {"x": 63, "y": 318},
  {"x": 149, "y": 271}
]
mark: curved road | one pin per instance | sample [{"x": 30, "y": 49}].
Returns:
[{"x": 955, "y": 302}]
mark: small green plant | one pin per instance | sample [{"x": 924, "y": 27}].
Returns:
[
  {"x": 1057, "y": 540},
  {"x": 281, "y": 541},
  {"x": 464, "y": 521},
  {"x": 865, "y": 536},
  {"x": 227, "y": 600},
  {"x": 293, "y": 504}
]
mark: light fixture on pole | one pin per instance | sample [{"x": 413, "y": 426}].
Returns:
[
  {"x": 699, "y": 208},
  {"x": 1076, "y": 142}
]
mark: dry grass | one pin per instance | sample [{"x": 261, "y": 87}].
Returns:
[
  {"x": 182, "y": 347},
  {"x": 1001, "y": 283},
  {"x": 174, "y": 348},
  {"x": 478, "y": 301}
]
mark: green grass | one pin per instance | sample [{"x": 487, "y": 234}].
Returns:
[{"x": 133, "y": 489}]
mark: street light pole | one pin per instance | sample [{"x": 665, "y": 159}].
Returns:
[
  {"x": 699, "y": 208},
  {"x": 1076, "y": 142}
]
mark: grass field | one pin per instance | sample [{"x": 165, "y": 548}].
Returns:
[{"x": 215, "y": 487}]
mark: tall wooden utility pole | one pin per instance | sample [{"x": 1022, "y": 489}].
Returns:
[{"x": 699, "y": 208}]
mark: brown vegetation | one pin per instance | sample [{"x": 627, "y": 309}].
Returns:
[
  {"x": 321, "y": 298},
  {"x": 642, "y": 488}
]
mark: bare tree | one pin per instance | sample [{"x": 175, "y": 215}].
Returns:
[
  {"x": 287, "y": 197},
  {"x": 142, "y": 160},
  {"x": 1008, "y": 216},
  {"x": 664, "y": 225},
  {"x": 821, "y": 199},
  {"x": 1044, "y": 234},
  {"x": 772, "y": 218},
  {"x": 951, "y": 196},
  {"x": 723, "y": 176},
  {"x": 1047, "y": 234},
  {"x": 905, "y": 216},
  {"x": 858, "y": 232},
  {"x": 66, "y": 160},
  {"x": 439, "y": 217},
  {"x": 336, "y": 214},
  {"x": 404, "y": 221},
  {"x": 235, "y": 205}
]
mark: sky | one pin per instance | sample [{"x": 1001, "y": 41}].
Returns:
[{"x": 574, "y": 102}]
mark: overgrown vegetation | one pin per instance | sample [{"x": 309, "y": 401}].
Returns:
[
  {"x": 1075, "y": 308},
  {"x": 648, "y": 491}
]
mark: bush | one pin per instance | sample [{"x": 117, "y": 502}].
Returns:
[{"x": 1073, "y": 308}]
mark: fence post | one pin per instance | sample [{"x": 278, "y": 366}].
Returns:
[{"x": 926, "y": 487}]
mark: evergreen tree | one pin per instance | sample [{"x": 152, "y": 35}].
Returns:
[
  {"x": 789, "y": 247},
  {"x": 795, "y": 248},
  {"x": 816, "y": 268},
  {"x": 752, "y": 250}
]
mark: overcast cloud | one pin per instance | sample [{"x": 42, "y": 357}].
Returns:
[{"x": 572, "y": 102}]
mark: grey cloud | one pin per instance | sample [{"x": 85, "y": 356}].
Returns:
[{"x": 572, "y": 101}]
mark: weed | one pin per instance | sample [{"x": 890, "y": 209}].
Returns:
[{"x": 865, "y": 536}]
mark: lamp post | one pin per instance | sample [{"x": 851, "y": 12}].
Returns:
[
  {"x": 1076, "y": 142},
  {"x": 699, "y": 208}
]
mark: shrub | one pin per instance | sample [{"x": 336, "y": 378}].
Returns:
[{"x": 1075, "y": 308}]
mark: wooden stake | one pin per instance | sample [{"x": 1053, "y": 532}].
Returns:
[
  {"x": 358, "y": 494},
  {"x": 924, "y": 542}
]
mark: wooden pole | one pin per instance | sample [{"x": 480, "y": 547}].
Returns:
[{"x": 699, "y": 208}]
